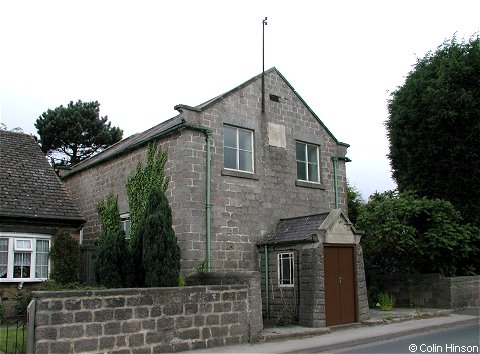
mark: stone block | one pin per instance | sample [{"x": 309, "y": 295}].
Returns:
[
  {"x": 74, "y": 331},
  {"x": 123, "y": 314},
  {"x": 131, "y": 326},
  {"x": 83, "y": 316},
  {"x": 191, "y": 333},
  {"x": 86, "y": 345},
  {"x": 136, "y": 340},
  {"x": 46, "y": 333},
  {"x": 111, "y": 328},
  {"x": 61, "y": 318},
  {"x": 103, "y": 315}
]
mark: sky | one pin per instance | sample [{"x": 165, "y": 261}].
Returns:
[{"x": 141, "y": 58}]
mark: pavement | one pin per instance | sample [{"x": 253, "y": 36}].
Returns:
[{"x": 382, "y": 325}]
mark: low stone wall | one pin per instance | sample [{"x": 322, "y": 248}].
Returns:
[
  {"x": 430, "y": 290},
  {"x": 145, "y": 320}
]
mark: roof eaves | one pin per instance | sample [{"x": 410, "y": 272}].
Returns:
[{"x": 128, "y": 148}]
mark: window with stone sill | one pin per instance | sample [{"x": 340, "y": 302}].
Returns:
[
  {"x": 24, "y": 257},
  {"x": 308, "y": 166},
  {"x": 238, "y": 149}
]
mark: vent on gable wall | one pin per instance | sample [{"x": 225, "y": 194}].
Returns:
[{"x": 274, "y": 98}]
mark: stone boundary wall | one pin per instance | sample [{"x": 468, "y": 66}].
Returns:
[
  {"x": 149, "y": 320},
  {"x": 430, "y": 290}
]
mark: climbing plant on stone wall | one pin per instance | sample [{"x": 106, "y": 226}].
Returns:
[
  {"x": 109, "y": 215},
  {"x": 143, "y": 181}
]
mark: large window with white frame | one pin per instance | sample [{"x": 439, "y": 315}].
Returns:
[
  {"x": 285, "y": 262},
  {"x": 238, "y": 149},
  {"x": 24, "y": 257},
  {"x": 308, "y": 167}
]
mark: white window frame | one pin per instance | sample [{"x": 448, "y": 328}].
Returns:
[
  {"x": 237, "y": 150},
  {"x": 307, "y": 162},
  {"x": 125, "y": 219},
  {"x": 12, "y": 238},
  {"x": 281, "y": 257},
  {"x": 23, "y": 249}
]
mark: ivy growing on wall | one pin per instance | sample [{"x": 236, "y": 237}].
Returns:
[
  {"x": 109, "y": 215},
  {"x": 143, "y": 181}
]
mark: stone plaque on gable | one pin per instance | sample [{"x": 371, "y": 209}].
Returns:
[{"x": 276, "y": 135}]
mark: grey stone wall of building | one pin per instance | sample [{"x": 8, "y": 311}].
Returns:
[
  {"x": 361, "y": 286},
  {"x": 283, "y": 302},
  {"x": 312, "y": 288},
  {"x": 244, "y": 207},
  {"x": 430, "y": 290},
  {"x": 144, "y": 320}
]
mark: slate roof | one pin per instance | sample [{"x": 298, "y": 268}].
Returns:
[
  {"x": 29, "y": 188},
  {"x": 294, "y": 230},
  {"x": 139, "y": 139},
  {"x": 132, "y": 142}
]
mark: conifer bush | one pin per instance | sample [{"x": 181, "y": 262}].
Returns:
[
  {"x": 65, "y": 255},
  {"x": 159, "y": 249}
]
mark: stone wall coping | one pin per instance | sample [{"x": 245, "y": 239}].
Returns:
[{"x": 131, "y": 291}]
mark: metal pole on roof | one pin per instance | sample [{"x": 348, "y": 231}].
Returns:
[{"x": 264, "y": 23}]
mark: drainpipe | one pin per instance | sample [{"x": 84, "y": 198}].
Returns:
[
  {"x": 267, "y": 312},
  {"x": 335, "y": 180},
  {"x": 208, "y": 214}
]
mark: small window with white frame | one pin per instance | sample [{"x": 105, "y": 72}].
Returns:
[
  {"x": 285, "y": 269},
  {"x": 308, "y": 167},
  {"x": 238, "y": 149}
]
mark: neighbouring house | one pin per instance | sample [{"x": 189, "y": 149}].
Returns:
[
  {"x": 33, "y": 207},
  {"x": 242, "y": 166}
]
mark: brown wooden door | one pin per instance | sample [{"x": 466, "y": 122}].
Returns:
[{"x": 339, "y": 285}]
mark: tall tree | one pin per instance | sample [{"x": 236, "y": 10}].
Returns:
[
  {"x": 434, "y": 127},
  {"x": 155, "y": 236},
  {"x": 75, "y": 132}
]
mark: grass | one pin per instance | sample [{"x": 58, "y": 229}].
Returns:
[{"x": 15, "y": 341}]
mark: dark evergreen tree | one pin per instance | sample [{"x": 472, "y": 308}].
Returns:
[
  {"x": 75, "y": 132},
  {"x": 434, "y": 127},
  {"x": 112, "y": 261},
  {"x": 65, "y": 254},
  {"x": 160, "y": 251},
  {"x": 354, "y": 202}
]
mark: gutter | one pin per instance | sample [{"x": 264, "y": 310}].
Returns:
[{"x": 335, "y": 179}]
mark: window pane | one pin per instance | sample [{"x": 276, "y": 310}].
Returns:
[
  {"x": 230, "y": 137},
  {"x": 313, "y": 173},
  {"x": 245, "y": 140},
  {"x": 301, "y": 171},
  {"x": 300, "y": 152},
  {"x": 312, "y": 154},
  {"x": 245, "y": 161},
  {"x": 41, "y": 267},
  {"x": 126, "y": 227},
  {"x": 229, "y": 158},
  {"x": 21, "y": 265},
  {"x": 3, "y": 257},
  {"x": 23, "y": 244}
]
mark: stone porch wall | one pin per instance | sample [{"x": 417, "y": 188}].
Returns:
[
  {"x": 430, "y": 290},
  {"x": 147, "y": 320}
]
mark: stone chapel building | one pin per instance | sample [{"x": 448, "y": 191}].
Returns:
[{"x": 242, "y": 174}]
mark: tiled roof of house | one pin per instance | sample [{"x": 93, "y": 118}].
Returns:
[
  {"x": 294, "y": 230},
  {"x": 29, "y": 187}
]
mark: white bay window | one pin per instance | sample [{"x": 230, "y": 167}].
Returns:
[{"x": 24, "y": 257}]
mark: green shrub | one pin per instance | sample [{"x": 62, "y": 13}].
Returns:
[
  {"x": 65, "y": 255},
  {"x": 112, "y": 261},
  {"x": 407, "y": 234},
  {"x": 386, "y": 302}
]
